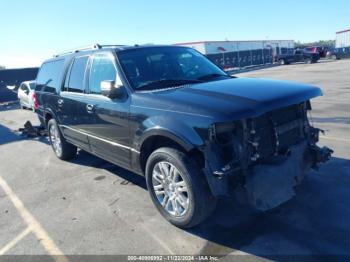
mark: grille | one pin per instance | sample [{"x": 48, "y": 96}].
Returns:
[{"x": 277, "y": 130}]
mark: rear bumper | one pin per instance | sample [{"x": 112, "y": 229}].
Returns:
[{"x": 41, "y": 118}]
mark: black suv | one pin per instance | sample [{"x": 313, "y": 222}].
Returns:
[
  {"x": 298, "y": 56},
  {"x": 195, "y": 132}
]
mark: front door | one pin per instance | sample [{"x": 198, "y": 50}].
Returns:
[{"x": 110, "y": 137}]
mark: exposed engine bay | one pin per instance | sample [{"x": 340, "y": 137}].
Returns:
[{"x": 267, "y": 155}]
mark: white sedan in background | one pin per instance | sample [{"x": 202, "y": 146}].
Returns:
[{"x": 26, "y": 94}]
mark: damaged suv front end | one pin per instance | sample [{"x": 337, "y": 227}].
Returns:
[{"x": 267, "y": 155}]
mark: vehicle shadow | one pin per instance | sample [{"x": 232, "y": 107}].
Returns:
[
  {"x": 86, "y": 159},
  {"x": 9, "y": 106},
  {"x": 10, "y": 136}
]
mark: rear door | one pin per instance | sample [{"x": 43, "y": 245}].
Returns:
[
  {"x": 72, "y": 106},
  {"x": 110, "y": 137}
]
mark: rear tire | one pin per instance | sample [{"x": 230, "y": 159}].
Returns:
[
  {"x": 62, "y": 149},
  {"x": 184, "y": 206}
]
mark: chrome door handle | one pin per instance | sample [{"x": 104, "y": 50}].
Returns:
[
  {"x": 90, "y": 108},
  {"x": 60, "y": 102}
]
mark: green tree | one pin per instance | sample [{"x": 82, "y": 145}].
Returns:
[{"x": 326, "y": 43}]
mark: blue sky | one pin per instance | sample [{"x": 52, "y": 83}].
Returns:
[{"x": 34, "y": 30}]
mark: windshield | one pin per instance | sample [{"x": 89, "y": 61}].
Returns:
[{"x": 159, "y": 67}]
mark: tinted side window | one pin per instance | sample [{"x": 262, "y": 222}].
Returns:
[
  {"x": 49, "y": 76},
  {"x": 77, "y": 75},
  {"x": 102, "y": 68}
]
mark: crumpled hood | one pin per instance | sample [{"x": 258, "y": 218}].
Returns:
[{"x": 233, "y": 98}]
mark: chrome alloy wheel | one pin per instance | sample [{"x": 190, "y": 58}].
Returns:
[
  {"x": 55, "y": 140},
  {"x": 170, "y": 188}
]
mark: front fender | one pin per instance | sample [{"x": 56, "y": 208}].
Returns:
[{"x": 175, "y": 130}]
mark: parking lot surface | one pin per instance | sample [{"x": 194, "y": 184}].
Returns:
[{"x": 90, "y": 207}]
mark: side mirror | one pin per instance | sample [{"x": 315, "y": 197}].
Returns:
[{"x": 111, "y": 90}]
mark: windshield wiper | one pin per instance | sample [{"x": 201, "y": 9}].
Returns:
[
  {"x": 162, "y": 83},
  {"x": 211, "y": 76}
]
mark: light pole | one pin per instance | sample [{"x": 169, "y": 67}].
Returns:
[
  {"x": 222, "y": 50},
  {"x": 239, "y": 59},
  {"x": 251, "y": 55}
]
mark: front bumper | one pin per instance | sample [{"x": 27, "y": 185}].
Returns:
[{"x": 269, "y": 184}]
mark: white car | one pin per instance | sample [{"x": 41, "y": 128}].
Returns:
[{"x": 26, "y": 94}]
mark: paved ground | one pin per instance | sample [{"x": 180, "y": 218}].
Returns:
[{"x": 88, "y": 206}]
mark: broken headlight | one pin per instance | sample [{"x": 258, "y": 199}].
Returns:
[{"x": 221, "y": 132}]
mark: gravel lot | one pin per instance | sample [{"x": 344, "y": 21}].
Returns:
[{"x": 90, "y": 207}]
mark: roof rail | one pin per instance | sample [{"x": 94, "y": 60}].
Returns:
[
  {"x": 109, "y": 46},
  {"x": 85, "y": 48}
]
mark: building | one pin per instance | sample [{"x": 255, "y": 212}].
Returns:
[
  {"x": 342, "y": 39},
  {"x": 342, "y": 43},
  {"x": 241, "y": 53}
]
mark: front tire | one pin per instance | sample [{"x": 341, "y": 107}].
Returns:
[
  {"x": 63, "y": 150},
  {"x": 178, "y": 188},
  {"x": 282, "y": 62}
]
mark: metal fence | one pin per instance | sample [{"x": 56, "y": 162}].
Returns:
[
  {"x": 246, "y": 58},
  {"x": 14, "y": 77},
  {"x": 343, "y": 52}
]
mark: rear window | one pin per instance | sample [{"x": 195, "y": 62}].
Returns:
[{"x": 49, "y": 76}]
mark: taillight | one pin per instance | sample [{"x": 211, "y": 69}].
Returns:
[{"x": 35, "y": 101}]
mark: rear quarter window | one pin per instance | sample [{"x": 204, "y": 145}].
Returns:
[{"x": 49, "y": 76}]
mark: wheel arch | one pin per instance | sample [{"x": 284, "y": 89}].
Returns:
[
  {"x": 48, "y": 115},
  {"x": 158, "y": 138}
]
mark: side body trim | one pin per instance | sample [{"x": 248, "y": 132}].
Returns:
[{"x": 101, "y": 139}]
